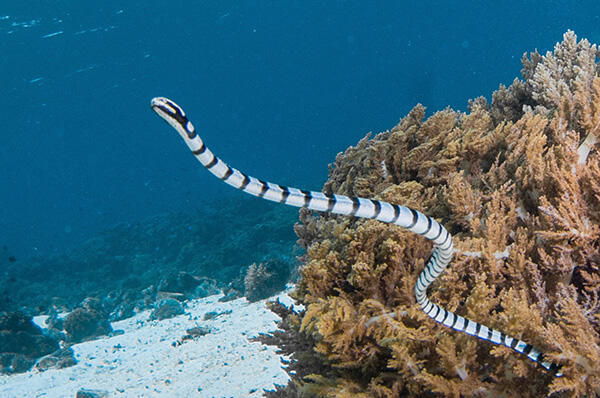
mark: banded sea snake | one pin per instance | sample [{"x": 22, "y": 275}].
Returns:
[{"x": 402, "y": 216}]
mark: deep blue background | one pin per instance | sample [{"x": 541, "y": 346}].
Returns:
[{"x": 276, "y": 88}]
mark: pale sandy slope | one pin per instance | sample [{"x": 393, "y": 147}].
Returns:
[{"x": 142, "y": 362}]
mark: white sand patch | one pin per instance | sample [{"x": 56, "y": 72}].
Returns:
[{"x": 143, "y": 362}]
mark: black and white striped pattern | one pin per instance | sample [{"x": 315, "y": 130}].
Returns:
[{"x": 402, "y": 216}]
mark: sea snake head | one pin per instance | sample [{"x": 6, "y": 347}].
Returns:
[{"x": 174, "y": 115}]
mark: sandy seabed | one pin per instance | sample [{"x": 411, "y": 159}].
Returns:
[{"x": 145, "y": 362}]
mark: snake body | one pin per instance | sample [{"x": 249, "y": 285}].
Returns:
[{"x": 405, "y": 217}]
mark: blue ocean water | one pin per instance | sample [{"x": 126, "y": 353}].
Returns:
[{"x": 276, "y": 88}]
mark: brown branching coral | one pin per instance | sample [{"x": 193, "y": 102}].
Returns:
[{"x": 516, "y": 183}]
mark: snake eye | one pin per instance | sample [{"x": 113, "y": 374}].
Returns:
[{"x": 175, "y": 109}]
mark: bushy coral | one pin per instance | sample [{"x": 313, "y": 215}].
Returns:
[
  {"x": 265, "y": 279},
  {"x": 517, "y": 183}
]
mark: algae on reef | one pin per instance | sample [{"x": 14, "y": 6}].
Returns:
[{"x": 517, "y": 183}]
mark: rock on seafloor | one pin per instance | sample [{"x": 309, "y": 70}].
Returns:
[{"x": 160, "y": 358}]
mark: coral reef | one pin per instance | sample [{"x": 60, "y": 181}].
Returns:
[
  {"x": 265, "y": 279},
  {"x": 22, "y": 343},
  {"x": 517, "y": 183},
  {"x": 86, "y": 322},
  {"x": 167, "y": 308},
  {"x": 295, "y": 345},
  {"x": 59, "y": 359},
  {"x": 195, "y": 253}
]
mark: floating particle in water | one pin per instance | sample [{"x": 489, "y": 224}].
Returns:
[
  {"x": 60, "y": 32},
  {"x": 25, "y": 24}
]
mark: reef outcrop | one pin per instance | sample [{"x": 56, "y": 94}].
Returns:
[
  {"x": 22, "y": 343},
  {"x": 517, "y": 183}
]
